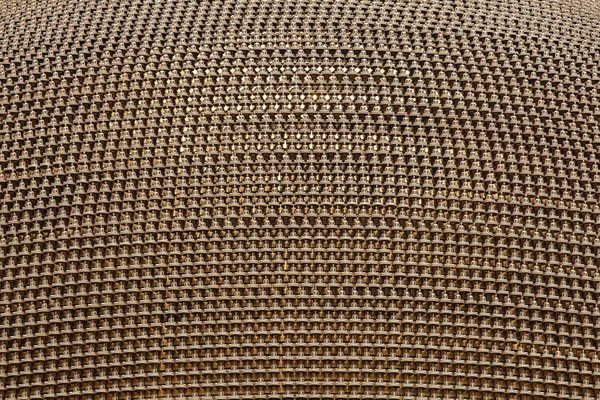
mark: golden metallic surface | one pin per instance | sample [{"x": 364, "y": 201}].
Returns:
[{"x": 299, "y": 199}]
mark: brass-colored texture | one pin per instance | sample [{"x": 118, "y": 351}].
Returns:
[{"x": 299, "y": 199}]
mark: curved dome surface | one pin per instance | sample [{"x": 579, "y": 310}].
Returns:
[{"x": 297, "y": 199}]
